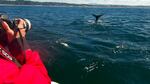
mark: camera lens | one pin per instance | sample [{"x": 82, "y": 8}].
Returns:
[{"x": 27, "y": 24}]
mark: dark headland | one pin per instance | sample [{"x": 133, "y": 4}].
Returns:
[{"x": 33, "y": 3}]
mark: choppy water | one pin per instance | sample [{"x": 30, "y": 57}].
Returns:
[{"x": 76, "y": 51}]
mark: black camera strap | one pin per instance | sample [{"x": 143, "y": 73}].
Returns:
[
  {"x": 23, "y": 46},
  {"x": 4, "y": 53}
]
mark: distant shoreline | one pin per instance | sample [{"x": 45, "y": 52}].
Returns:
[{"x": 57, "y": 4}]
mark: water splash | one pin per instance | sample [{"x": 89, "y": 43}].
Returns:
[{"x": 91, "y": 67}]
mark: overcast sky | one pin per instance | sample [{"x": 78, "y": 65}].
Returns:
[{"x": 115, "y": 2}]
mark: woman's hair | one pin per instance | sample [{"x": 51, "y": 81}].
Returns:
[{"x": 3, "y": 38}]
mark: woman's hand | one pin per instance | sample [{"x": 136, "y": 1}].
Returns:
[{"x": 10, "y": 33}]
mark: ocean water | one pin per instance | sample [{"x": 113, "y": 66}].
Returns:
[{"x": 77, "y": 51}]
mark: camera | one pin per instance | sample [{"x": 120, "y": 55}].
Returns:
[{"x": 13, "y": 23}]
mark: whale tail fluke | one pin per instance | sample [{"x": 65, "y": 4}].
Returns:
[{"x": 97, "y": 17}]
